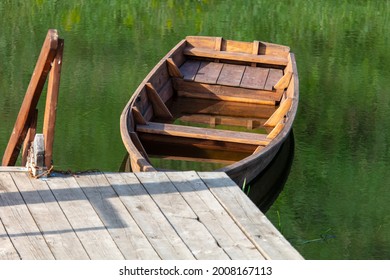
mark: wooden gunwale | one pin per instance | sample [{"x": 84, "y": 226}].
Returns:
[{"x": 177, "y": 57}]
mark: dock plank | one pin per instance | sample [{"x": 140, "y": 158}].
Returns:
[
  {"x": 49, "y": 217},
  {"x": 86, "y": 223},
  {"x": 164, "y": 239},
  {"x": 7, "y": 249},
  {"x": 150, "y": 215},
  {"x": 251, "y": 220},
  {"x": 226, "y": 232},
  {"x": 124, "y": 231},
  {"x": 198, "y": 239},
  {"x": 19, "y": 224}
]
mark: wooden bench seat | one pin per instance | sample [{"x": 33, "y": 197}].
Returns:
[
  {"x": 226, "y": 93},
  {"x": 245, "y": 57},
  {"x": 203, "y": 133},
  {"x": 222, "y": 81}
]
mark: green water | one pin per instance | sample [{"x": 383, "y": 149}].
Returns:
[{"x": 335, "y": 204}]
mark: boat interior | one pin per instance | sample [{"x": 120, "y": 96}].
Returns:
[{"x": 212, "y": 100}]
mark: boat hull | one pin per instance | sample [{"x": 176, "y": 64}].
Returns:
[{"x": 256, "y": 88}]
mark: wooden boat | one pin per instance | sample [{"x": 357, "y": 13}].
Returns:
[{"x": 213, "y": 100}]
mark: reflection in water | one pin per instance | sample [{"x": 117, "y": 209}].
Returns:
[{"x": 266, "y": 187}]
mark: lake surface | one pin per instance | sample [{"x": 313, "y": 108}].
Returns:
[{"x": 336, "y": 201}]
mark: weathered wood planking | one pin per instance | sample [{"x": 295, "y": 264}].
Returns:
[
  {"x": 225, "y": 93},
  {"x": 189, "y": 69},
  {"x": 219, "y": 108},
  {"x": 121, "y": 226},
  {"x": 19, "y": 224},
  {"x": 251, "y": 220},
  {"x": 154, "y": 215},
  {"x": 49, "y": 218},
  {"x": 7, "y": 249},
  {"x": 165, "y": 240},
  {"x": 236, "y": 56},
  {"x": 273, "y": 78},
  {"x": 180, "y": 215},
  {"x": 208, "y": 72},
  {"x": 228, "y": 235},
  {"x": 84, "y": 220},
  {"x": 231, "y": 75},
  {"x": 204, "y": 133},
  {"x": 249, "y": 77},
  {"x": 254, "y": 77}
]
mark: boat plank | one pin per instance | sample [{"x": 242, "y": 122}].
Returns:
[
  {"x": 121, "y": 226},
  {"x": 148, "y": 217},
  {"x": 203, "y": 133},
  {"x": 237, "y": 56},
  {"x": 279, "y": 114},
  {"x": 49, "y": 217},
  {"x": 275, "y": 132},
  {"x": 186, "y": 105},
  {"x": 189, "y": 69},
  {"x": 201, "y": 41},
  {"x": 166, "y": 92},
  {"x": 159, "y": 107},
  {"x": 231, "y": 75},
  {"x": 7, "y": 249},
  {"x": 251, "y": 220},
  {"x": 273, "y": 78},
  {"x": 249, "y": 123},
  {"x": 208, "y": 72},
  {"x": 198, "y": 239},
  {"x": 19, "y": 224},
  {"x": 254, "y": 77},
  {"x": 160, "y": 77},
  {"x": 225, "y": 93},
  {"x": 228, "y": 235},
  {"x": 86, "y": 223},
  {"x": 173, "y": 69}
]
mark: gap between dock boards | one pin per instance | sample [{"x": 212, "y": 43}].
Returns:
[{"x": 151, "y": 215}]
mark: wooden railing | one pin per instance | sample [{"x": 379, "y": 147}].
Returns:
[{"x": 24, "y": 132}]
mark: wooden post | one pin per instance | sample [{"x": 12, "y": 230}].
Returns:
[
  {"x": 51, "y": 104},
  {"x": 50, "y": 58},
  {"x": 31, "y": 98}
]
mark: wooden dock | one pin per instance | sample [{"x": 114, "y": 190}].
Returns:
[{"x": 145, "y": 216}]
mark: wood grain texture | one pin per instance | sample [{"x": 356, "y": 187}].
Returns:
[
  {"x": 203, "y": 133},
  {"x": 212, "y": 215},
  {"x": 123, "y": 229},
  {"x": 251, "y": 220},
  {"x": 154, "y": 225},
  {"x": 21, "y": 228},
  {"x": 31, "y": 97},
  {"x": 236, "y": 56},
  {"x": 182, "y": 218},
  {"x": 49, "y": 218},
  {"x": 84, "y": 220}
]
